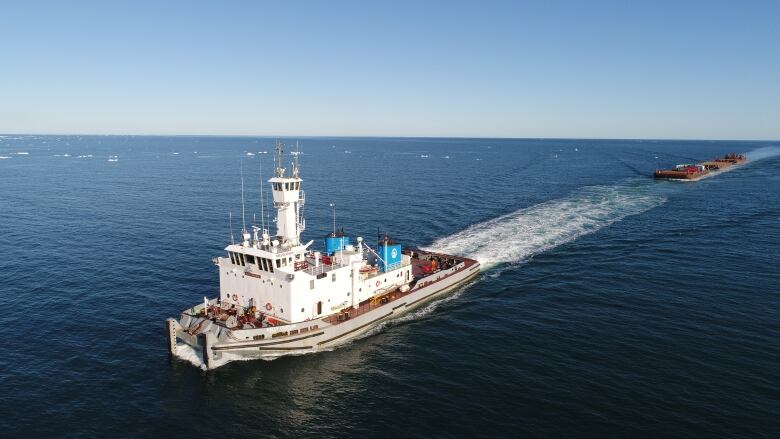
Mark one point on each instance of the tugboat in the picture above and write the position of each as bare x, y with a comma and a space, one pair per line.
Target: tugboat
689, 172
278, 296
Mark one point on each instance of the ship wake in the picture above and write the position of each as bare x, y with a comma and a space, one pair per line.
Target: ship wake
519, 235
763, 153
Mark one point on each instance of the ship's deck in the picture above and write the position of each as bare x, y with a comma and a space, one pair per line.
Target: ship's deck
449, 266
710, 166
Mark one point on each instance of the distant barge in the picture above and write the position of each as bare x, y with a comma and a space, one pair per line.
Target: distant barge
688, 172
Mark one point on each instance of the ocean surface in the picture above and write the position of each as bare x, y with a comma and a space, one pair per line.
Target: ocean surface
611, 305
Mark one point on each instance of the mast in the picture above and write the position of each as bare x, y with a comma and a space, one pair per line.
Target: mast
279, 171
243, 213
262, 198
288, 198
333, 205
230, 222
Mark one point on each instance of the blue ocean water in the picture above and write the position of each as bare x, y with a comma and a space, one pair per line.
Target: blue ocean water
612, 305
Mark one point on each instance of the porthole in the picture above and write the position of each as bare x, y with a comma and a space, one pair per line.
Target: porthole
301, 309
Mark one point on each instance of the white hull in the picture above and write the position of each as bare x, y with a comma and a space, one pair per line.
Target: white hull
217, 345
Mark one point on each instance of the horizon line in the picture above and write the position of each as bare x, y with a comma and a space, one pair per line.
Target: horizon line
390, 137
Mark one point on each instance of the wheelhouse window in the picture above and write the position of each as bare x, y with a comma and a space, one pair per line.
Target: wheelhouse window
232, 258
250, 259
278, 263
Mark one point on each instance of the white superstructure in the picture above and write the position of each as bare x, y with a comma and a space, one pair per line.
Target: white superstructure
282, 280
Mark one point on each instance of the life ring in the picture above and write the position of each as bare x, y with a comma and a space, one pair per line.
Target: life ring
378, 284
268, 306
235, 297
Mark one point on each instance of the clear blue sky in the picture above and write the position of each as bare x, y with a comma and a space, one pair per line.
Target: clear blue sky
618, 69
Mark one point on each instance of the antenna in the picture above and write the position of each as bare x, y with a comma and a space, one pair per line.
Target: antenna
230, 221
279, 158
243, 217
333, 205
296, 162
262, 198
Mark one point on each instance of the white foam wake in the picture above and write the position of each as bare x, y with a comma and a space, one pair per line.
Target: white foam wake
763, 153
519, 235
190, 354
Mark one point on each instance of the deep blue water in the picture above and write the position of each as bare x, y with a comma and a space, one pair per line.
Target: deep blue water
612, 305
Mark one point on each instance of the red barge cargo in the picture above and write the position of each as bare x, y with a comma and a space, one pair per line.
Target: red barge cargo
688, 172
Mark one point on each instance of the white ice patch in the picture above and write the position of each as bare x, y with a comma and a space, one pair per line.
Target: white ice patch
519, 235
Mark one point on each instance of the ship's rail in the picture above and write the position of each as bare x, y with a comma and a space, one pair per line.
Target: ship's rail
322, 268
391, 267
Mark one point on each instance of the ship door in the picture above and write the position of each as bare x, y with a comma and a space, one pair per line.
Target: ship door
319, 307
